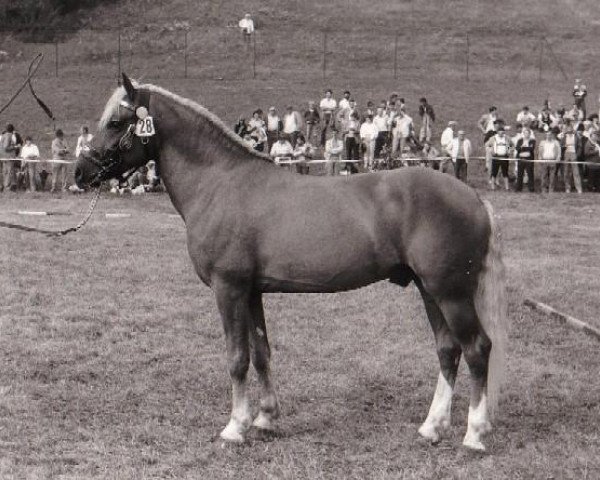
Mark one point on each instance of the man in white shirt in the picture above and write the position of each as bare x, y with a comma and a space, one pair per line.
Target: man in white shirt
246, 25
292, 124
345, 102
381, 121
274, 126
281, 150
327, 106
525, 117
368, 135
83, 141
401, 133
447, 137
30, 151
460, 152
549, 150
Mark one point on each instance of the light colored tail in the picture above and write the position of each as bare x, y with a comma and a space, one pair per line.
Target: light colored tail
491, 306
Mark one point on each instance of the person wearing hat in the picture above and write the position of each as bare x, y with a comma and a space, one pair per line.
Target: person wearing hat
460, 151
549, 152
499, 148
274, 126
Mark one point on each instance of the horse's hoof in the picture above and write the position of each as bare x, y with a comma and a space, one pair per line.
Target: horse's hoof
263, 422
231, 433
429, 432
473, 444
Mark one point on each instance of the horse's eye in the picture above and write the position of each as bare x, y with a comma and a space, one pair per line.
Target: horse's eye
114, 124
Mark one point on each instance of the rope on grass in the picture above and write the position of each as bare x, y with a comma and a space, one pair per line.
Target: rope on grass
563, 318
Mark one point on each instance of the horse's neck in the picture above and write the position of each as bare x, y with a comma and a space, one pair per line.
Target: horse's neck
197, 157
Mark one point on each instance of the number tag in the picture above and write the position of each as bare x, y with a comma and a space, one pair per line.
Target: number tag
145, 127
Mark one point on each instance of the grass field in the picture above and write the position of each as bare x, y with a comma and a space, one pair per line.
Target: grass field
114, 366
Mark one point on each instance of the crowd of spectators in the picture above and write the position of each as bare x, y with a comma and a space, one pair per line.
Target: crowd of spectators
384, 135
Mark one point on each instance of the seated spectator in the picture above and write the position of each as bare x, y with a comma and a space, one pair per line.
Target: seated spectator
430, 156
29, 151
281, 149
302, 152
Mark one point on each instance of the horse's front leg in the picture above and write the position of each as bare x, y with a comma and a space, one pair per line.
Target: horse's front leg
261, 359
233, 303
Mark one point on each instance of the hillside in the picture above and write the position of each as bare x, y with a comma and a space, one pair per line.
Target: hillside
517, 55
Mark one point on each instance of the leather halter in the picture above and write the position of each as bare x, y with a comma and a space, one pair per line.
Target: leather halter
125, 143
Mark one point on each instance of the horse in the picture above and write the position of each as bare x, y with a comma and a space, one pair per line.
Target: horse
407, 225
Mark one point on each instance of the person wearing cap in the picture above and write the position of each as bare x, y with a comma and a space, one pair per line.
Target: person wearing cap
274, 126
60, 151
447, 137
427, 118
460, 151
525, 153
568, 142
549, 152
499, 148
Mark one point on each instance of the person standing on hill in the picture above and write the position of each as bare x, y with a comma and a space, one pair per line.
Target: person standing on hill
246, 25
549, 151
274, 127
59, 152
525, 152
312, 119
427, 118
83, 142
499, 147
327, 106
592, 155
345, 101
460, 152
381, 122
368, 134
292, 124
579, 94
9, 148
568, 143
30, 152
487, 125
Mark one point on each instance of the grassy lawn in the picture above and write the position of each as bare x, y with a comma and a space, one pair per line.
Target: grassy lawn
114, 367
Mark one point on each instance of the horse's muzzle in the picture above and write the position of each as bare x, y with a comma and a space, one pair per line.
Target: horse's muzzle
86, 172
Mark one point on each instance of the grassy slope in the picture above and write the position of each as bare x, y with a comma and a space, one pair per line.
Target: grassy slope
108, 374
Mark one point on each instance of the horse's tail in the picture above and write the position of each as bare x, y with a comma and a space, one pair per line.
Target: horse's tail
491, 307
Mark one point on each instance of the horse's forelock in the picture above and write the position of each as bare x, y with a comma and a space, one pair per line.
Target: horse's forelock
111, 107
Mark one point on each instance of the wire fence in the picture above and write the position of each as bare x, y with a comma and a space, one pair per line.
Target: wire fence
224, 53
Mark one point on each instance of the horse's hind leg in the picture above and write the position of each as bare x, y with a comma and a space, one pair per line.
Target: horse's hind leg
261, 359
476, 346
233, 303
448, 351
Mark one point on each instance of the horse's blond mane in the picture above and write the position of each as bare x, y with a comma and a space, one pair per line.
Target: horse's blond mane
119, 94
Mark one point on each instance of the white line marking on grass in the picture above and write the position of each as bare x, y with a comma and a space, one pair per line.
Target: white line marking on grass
563, 318
117, 215
31, 212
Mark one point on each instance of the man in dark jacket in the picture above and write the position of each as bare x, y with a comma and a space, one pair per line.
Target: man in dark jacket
525, 150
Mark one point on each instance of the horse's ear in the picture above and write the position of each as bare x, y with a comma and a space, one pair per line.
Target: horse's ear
129, 88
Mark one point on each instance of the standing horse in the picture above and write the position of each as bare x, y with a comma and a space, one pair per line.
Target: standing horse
407, 225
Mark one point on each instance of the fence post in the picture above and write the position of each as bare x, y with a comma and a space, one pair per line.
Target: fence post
396, 57
185, 54
541, 59
467, 56
324, 53
254, 54
56, 57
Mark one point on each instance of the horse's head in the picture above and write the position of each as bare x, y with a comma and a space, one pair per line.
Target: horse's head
125, 139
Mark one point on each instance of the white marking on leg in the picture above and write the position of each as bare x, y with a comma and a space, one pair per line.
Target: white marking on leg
479, 424
438, 417
241, 416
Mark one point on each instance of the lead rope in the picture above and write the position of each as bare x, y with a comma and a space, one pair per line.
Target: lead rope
57, 233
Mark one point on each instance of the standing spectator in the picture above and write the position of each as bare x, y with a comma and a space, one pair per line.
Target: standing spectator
460, 153
368, 134
592, 155
352, 140
345, 101
327, 106
447, 137
59, 152
427, 118
525, 117
545, 118
580, 142
312, 119
9, 148
525, 152
549, 152
274, 127
487, 125
292, 124
334, 148
381, 122
568, 142
579, 94
246, 25
83, 142
575, 115
499, 147
402, 132
30, 152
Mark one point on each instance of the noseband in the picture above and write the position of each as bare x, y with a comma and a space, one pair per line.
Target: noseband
125, 143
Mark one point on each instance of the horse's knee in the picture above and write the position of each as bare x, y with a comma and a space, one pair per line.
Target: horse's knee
477, 354
238, 366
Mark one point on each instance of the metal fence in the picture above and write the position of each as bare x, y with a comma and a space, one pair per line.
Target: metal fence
223, 53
